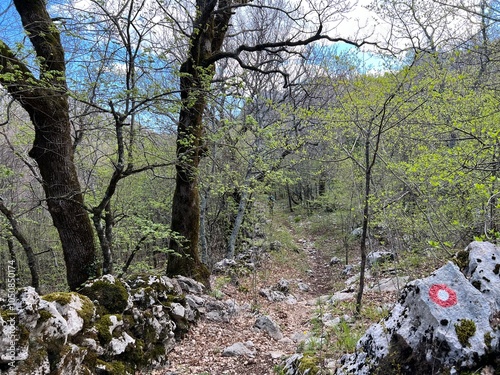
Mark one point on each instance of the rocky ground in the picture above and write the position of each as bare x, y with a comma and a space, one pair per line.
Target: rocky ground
202, 349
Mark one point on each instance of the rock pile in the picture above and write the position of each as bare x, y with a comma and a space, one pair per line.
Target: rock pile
111, 327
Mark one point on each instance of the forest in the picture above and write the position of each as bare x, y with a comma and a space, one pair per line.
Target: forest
158, 135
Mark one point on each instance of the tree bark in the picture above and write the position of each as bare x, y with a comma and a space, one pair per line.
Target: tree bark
17, 233
209, 28
46, 101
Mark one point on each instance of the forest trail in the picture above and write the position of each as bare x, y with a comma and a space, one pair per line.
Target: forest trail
200, 352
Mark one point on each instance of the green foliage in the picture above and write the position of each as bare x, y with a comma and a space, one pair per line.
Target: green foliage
346, 339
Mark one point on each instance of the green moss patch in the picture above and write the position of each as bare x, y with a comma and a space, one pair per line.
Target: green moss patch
309, 362
44, 316
114, 368
61, 298
102, 325
465, 329
112, 297
86, 312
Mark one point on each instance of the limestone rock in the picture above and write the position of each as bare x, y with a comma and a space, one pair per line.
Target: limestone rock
266, 324
190, 286
334, 261
483, 271
389, 284
303, 287
282, 286
375, 258
124, 325
220, 311
440, 323
239, 349
348, 269
224, 265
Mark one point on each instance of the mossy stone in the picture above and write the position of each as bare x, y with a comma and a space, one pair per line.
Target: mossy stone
488, 339
465, 329
44, 316
86, 312
112, 297
309, 362
114, 368
102, 325
62, 298
37, 356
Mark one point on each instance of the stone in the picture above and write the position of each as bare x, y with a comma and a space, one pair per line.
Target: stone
177, 310
224, 265
239, 349
220, 311
276, 354
440, 324
65, 331
347, 270
340, 296
483, 271
292, 363
266, 324
298, 337
334, 261
282, 286
303, 287
272, 295
376, 258
120, 344
329, 320
389, 284
190, 286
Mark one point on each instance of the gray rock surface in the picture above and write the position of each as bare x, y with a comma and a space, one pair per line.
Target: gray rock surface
266, 324
239, 349
483, 271
375, 258
441, 323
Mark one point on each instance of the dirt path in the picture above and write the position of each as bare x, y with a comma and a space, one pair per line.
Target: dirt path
200, 352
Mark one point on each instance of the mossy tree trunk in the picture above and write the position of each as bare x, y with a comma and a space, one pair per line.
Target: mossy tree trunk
46, 100
196, 73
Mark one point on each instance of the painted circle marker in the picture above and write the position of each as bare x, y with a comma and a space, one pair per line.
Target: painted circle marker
443, 295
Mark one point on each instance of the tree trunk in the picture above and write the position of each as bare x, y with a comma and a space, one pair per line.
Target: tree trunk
237, 225
364, 233
203, 231
46, 102
196, 73
52, 150
30, 255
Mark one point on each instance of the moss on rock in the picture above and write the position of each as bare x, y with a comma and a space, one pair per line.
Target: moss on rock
113, 368
465, 329
86, 311
103, 325
62, 298
309, 362
111, 296
44, 316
